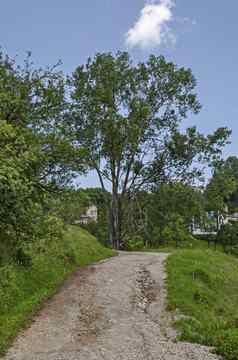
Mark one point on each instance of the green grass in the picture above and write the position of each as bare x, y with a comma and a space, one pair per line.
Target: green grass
192, 244
203, 286
23, 290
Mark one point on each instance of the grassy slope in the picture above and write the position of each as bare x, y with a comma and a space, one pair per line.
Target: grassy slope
203, 285
23, 290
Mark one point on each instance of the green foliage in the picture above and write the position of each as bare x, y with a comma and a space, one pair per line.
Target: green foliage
231, 167
203, 285
172, 208
134, 243
71, 204
173, 232
122, 110
191, 244
36, 157
219, 189
228, 237
17, 192
221, 193
100, 198
168, 234
227, 344
34, 100
22, 289
209, 238
176, 232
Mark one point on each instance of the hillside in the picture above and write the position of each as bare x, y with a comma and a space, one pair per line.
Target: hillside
23, 289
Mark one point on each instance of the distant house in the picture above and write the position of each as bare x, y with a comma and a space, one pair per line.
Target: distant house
90, 215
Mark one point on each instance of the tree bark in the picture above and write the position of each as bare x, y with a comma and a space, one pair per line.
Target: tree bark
115, 221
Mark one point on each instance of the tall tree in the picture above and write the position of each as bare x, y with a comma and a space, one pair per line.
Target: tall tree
127, 117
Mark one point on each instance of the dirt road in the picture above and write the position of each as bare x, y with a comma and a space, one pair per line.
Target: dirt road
114, 310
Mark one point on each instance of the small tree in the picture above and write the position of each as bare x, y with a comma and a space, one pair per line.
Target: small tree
127, 118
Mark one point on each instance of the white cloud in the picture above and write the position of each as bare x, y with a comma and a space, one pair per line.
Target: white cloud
151, 29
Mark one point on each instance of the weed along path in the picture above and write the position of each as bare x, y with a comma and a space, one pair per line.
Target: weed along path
114, 310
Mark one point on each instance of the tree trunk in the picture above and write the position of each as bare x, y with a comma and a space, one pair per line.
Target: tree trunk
110, 226
115, 222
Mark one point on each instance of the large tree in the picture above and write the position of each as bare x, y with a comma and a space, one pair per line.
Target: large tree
128, 119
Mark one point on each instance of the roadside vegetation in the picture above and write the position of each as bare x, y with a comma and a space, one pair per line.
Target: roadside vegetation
191, 244
23, 288
202, 291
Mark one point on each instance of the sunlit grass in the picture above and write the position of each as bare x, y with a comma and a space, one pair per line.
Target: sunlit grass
203, 285
22, 290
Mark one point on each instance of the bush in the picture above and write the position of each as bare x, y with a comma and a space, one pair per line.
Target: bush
227, 344
177, 232
168, 234
134, 243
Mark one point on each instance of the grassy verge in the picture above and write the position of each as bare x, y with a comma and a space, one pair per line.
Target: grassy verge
203, 286
192, 244
22, 290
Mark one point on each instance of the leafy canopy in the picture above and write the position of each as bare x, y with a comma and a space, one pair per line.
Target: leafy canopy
128, 118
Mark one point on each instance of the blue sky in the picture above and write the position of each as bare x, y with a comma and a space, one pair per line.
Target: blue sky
202, 35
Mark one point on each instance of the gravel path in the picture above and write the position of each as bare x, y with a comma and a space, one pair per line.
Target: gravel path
114, 310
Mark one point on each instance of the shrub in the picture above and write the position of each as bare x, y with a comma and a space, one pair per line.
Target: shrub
176, 231
168, 234
227, 344
135, 242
